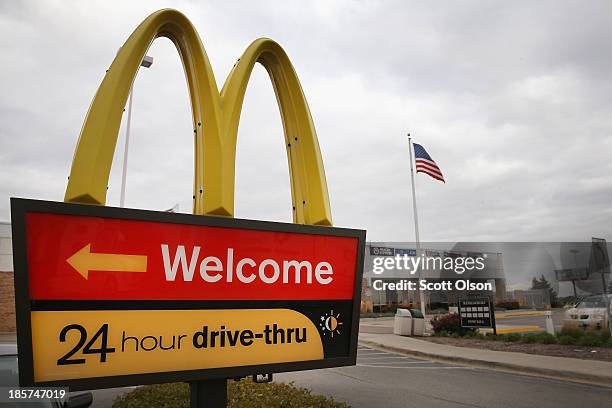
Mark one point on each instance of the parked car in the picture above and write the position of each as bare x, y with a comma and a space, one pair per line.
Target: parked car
589, 313
9, 377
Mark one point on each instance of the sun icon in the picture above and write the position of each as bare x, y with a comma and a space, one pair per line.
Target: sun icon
330, 324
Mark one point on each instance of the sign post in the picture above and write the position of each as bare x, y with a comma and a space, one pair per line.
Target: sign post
572, 274
208, 393
110, 297
477, 312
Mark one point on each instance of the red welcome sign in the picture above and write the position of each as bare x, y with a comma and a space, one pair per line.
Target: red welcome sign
79, 257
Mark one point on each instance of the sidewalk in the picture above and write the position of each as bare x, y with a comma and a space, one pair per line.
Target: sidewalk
577, 370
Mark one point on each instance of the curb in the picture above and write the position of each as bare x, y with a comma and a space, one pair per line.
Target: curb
583, 378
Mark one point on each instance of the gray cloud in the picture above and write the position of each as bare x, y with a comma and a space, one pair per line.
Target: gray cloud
512, 99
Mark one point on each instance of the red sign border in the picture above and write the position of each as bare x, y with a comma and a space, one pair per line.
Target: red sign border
23, 304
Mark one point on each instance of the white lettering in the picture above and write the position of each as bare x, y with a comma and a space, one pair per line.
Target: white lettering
262, 271
298, 267
319, 271
230, 264
378, 268
179, 256
415, 264
215, 269
206, 266
239, 274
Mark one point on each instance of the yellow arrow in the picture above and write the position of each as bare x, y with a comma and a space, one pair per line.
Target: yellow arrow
84, 261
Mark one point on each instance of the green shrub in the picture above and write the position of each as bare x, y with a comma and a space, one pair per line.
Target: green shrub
576, 337
590, 340
572, 332
513, 337
587, 338
546, 338
240, 394
543, 338
567, 340
449, 323
529, 338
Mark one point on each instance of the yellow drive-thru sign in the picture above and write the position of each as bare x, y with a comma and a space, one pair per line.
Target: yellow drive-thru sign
109, 297
153, 341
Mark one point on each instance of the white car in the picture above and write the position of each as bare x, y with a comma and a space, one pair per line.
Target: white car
590, 313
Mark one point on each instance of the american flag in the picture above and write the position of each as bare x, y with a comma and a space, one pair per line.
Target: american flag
425, 164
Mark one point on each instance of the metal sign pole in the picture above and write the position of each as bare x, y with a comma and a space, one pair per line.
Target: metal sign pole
125, 151
607, 300
208, 393
492, 311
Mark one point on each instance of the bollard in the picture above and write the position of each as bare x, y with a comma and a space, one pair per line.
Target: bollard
550, 327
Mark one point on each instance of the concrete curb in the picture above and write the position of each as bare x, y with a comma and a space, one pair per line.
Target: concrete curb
583, 378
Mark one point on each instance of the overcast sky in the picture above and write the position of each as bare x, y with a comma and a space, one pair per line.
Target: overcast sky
512, 99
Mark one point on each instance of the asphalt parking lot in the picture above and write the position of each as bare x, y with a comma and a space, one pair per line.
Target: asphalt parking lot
389, 380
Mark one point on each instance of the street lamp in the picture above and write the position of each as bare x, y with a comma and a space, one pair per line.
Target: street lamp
146, 62
575, 252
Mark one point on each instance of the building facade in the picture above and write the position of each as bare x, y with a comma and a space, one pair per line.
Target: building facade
7, 288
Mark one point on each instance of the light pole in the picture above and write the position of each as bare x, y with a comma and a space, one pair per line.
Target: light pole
575, 252
146, 62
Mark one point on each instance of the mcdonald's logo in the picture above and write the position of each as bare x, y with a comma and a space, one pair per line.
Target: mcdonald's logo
215, 122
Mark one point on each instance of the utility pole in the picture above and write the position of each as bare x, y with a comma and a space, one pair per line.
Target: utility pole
146, 62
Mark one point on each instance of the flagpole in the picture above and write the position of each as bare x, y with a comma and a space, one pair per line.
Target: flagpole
416, 223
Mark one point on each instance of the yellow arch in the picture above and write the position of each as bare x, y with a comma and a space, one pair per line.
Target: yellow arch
215, 116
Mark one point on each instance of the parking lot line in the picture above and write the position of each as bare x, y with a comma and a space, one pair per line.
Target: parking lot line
374, 358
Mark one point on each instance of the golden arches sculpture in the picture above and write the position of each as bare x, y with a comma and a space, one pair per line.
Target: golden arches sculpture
216, 116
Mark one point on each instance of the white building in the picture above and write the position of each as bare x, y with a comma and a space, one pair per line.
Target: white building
6, 247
